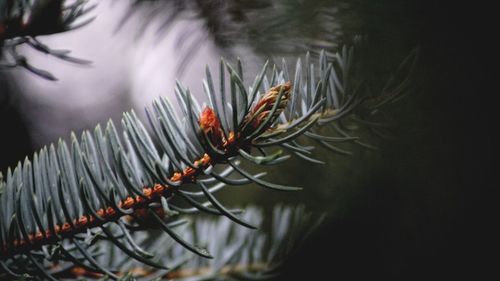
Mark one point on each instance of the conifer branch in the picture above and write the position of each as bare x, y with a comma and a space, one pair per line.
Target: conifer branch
103, 188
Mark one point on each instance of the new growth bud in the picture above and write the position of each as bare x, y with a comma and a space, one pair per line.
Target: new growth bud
260, 112
210, 125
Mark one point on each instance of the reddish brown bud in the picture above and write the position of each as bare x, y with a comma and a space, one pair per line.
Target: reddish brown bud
210, 125
209, 120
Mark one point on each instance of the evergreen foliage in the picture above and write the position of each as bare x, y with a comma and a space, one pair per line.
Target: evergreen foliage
68, 210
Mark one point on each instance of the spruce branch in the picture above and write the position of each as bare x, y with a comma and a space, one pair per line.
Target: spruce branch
105, 188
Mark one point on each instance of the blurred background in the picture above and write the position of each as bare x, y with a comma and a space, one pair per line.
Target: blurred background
404, 211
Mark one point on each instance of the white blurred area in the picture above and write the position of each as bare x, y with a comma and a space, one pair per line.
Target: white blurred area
127, 70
